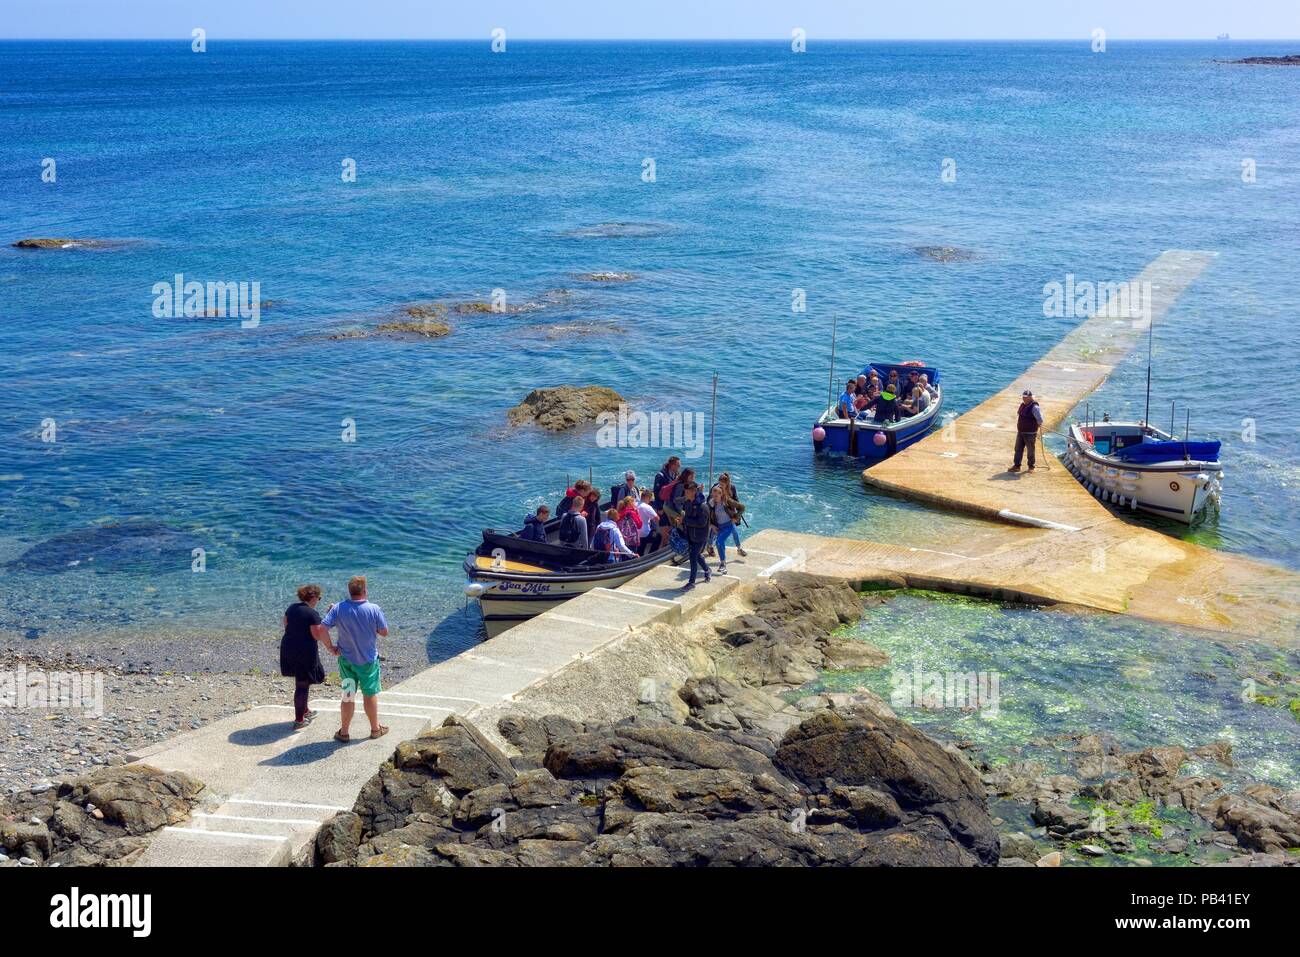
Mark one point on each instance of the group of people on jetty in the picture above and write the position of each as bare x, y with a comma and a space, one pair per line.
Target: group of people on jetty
639, 520
891, 399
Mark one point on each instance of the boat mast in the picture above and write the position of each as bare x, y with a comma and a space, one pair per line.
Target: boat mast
713, 427
830, 386
1146, 415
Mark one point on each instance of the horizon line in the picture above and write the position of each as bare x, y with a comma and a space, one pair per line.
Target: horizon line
185, 38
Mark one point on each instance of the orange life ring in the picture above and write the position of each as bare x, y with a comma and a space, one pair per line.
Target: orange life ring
912, 362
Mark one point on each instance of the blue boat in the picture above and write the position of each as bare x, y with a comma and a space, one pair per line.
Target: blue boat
863, 437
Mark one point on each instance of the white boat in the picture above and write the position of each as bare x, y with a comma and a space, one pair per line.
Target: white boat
1137, 466
515, 579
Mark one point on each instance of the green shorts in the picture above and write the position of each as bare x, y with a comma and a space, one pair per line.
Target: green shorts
363, 678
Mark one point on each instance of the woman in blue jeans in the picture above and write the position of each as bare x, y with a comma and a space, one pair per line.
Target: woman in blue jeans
720, 517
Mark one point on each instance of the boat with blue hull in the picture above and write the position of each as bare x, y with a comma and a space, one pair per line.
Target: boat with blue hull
865, 438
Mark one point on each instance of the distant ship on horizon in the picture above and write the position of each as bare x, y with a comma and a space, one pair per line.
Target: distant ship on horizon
1223, 36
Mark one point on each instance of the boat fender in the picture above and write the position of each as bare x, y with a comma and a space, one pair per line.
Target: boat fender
474, 589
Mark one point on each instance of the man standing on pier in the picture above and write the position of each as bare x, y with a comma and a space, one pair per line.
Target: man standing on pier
1029, 419
361, 624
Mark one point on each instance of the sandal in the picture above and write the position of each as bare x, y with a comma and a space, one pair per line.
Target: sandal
340, 736
379, 732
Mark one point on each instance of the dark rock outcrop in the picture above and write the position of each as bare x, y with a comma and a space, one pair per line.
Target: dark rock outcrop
1290, 59
650, 793
103, 818
563, 407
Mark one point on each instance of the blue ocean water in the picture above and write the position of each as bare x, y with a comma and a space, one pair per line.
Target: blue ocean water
475, 172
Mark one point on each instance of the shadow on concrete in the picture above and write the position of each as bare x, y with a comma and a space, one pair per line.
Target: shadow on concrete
459, 631
303, 754
262, 734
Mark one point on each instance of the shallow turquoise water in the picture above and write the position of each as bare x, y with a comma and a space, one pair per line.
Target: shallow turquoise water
1061, 674
475, 172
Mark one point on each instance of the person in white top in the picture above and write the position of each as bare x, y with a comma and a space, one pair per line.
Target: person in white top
649, 521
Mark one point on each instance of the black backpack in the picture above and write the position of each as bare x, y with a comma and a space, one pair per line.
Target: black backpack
569, 528
602, 541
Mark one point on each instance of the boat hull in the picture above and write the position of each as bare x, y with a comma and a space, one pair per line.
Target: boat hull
1181, 491
509, 596
505, 604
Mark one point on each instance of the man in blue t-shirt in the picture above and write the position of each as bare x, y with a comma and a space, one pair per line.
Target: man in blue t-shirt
360, 623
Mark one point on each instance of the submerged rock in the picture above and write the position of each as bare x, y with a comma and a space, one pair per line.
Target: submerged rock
109, 546
944, 254
46, 243
606, 277
427, 328
563, 407
619, 230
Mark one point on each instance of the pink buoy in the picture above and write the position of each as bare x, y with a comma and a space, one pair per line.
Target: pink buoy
819, 434
879, 438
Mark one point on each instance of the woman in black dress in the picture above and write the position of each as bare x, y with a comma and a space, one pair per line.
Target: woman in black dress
299, 652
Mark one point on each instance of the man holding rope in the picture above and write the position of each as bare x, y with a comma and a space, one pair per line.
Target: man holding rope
1029, 419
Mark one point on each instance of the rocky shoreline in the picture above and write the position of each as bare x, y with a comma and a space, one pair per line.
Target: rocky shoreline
699, 744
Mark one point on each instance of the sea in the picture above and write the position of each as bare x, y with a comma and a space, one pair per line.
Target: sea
165, 473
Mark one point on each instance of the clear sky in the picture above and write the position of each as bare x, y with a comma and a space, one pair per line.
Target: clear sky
650, 19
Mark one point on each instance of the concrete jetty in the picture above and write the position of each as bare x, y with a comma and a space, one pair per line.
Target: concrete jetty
269, 788
1057, 543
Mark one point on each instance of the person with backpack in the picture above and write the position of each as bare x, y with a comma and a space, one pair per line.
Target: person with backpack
629, 523
535, 525
609, 539
669, 499
665, 475
573, 525
695, 525
624, 489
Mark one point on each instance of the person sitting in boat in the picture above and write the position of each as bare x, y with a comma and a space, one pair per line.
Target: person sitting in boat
573, 524
893, 384
535, 525
930, 390
626, 488
630, 523
844, 409
874, 385
593, 508
608, 538
649, 521
916, 403
578, 488
885, 407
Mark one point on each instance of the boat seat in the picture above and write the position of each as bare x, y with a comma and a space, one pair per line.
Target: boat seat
487, 561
